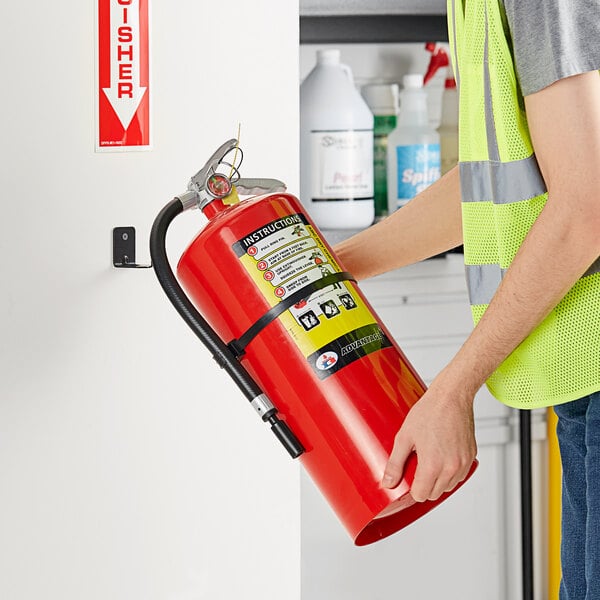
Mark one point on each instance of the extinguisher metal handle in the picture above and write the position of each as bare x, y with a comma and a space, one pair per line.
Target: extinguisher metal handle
198, 182
198, 193
255, 186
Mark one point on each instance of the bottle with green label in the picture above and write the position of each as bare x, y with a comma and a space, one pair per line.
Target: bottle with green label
382, 99
413, 156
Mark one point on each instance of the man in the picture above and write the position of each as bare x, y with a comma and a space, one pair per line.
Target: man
529, 181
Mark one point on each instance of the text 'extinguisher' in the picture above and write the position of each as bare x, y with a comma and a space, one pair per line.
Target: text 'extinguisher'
299, 339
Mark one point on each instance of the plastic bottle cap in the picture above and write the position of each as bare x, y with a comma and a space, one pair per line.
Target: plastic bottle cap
381, 97
329, 56
413, 81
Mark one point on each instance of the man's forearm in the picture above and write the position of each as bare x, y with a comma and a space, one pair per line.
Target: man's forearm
564, 121
560, 247
428, 225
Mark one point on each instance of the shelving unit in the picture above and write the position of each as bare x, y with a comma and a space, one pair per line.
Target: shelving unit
426, 308
372, 21
363, 29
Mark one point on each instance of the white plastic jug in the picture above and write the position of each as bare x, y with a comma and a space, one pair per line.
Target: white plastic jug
336, 147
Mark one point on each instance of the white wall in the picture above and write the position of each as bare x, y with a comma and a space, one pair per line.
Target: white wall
130, 467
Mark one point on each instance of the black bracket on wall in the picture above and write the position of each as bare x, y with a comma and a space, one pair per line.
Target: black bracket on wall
124, 249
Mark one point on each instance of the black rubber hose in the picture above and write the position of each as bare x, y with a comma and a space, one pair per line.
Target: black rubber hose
219, 350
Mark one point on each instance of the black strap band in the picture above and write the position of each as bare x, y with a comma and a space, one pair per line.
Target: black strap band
239, 346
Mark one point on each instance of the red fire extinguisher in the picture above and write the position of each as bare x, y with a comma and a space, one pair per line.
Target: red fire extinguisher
269, 299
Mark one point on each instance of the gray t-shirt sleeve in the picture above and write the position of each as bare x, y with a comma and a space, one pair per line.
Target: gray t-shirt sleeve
553, 39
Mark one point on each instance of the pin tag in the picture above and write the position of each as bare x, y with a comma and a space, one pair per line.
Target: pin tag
232, 198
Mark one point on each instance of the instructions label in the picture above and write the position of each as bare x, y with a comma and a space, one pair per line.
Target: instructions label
286, 255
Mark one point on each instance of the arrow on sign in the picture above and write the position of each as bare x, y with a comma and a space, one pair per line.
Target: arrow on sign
125, 92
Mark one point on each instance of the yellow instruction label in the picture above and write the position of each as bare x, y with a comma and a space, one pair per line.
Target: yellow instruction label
286, 255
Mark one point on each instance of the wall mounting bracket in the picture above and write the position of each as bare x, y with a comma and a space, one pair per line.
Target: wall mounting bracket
124, 249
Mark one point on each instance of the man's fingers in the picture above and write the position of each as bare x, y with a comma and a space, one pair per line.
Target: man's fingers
443, 442
424, 482
434, 478
460, 476
395, 465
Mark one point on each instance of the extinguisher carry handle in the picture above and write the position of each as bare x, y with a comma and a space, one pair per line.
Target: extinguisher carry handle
198, 181
255, 186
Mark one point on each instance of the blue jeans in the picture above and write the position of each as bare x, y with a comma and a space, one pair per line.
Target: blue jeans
578, 434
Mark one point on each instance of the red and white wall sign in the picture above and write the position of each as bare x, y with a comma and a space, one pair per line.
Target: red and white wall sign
123, 92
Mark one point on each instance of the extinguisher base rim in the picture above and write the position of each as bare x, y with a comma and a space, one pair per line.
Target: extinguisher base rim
404, 511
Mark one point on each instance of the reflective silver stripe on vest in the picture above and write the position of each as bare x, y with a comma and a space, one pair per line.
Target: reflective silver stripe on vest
497, 182
501, 183
490, 125
483, 280
454, 50
493, 180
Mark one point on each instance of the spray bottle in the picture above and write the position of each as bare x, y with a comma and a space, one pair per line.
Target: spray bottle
413, 161
382, 99
448, 128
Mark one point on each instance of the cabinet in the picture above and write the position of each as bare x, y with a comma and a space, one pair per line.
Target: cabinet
469, 547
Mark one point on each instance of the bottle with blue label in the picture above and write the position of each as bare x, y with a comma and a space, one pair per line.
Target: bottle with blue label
413, 160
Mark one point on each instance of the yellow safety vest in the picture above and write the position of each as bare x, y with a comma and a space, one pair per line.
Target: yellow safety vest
503, 192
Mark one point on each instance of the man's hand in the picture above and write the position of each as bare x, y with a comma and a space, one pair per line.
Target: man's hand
440, 430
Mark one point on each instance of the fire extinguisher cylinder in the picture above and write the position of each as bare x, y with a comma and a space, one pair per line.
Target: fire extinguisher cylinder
280, 314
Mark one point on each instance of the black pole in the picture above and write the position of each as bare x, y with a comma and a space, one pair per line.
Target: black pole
526, 503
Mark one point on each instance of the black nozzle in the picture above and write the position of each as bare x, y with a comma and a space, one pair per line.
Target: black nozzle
284, 434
